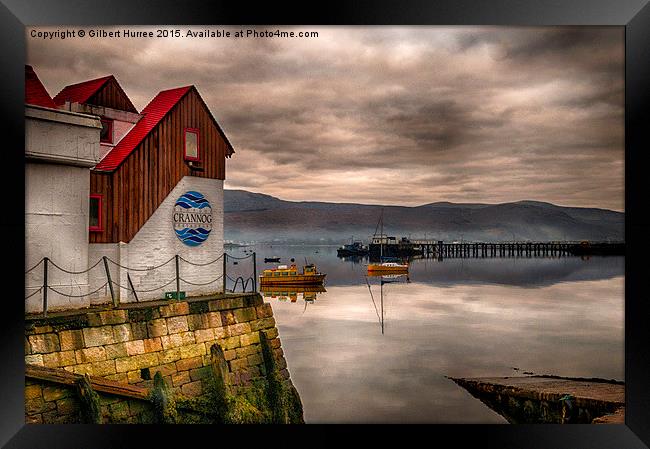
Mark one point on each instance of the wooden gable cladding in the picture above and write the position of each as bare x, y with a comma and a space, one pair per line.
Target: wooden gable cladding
133, 191
111, 95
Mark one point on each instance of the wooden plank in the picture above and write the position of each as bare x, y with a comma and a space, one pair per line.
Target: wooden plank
63, 377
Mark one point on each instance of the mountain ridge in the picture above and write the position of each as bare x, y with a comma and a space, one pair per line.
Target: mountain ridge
258, 216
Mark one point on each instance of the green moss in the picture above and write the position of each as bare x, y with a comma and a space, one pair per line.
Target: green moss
90, 403
163, 401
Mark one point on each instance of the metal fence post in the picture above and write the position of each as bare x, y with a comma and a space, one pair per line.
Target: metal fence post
178, 280
110, 282
254, 272
45, 261
224, 272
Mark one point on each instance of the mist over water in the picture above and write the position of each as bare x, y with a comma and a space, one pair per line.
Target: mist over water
456, 317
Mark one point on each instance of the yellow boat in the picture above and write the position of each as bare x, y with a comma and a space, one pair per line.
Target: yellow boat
388, 267
284, 275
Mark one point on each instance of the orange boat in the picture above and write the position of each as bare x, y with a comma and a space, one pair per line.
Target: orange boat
284, 275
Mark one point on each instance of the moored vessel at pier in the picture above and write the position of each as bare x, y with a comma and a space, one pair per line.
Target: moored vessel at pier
288, 275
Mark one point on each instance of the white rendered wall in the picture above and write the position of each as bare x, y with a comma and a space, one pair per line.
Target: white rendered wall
60, 147
156, 243
56, 226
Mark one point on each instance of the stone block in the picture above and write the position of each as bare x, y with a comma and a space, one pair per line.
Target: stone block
45, 329
198, 307
165, 370
271, 333
275, 343
192, 389
264, 311
122, 332
245, 315
281, 364
152, 344
170, 355
44, 343
200, 373
284, 373
103, 368
255, 371
249, 339
139, 315
180, 378
212, 319
195, 322
234, 303
120, 377
227, 318
33, 391
254, 359
216, 305
177, 324
28, 348
188, 364
134, 376
195, 350
115, 351
203, 335
231, 343
264, 323
239, 329
112, 317
220, 332
245, 351
238, 364
139, 331
136, 362
67, 406
174, 309
87, 355
85, 368
135, 347
34, 419
34, 359
278, 353
71, 340
230, 354
98, 336
38, 405
157, 328
57, 359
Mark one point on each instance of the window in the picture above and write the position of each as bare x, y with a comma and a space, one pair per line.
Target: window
106, 134
192, 144
95, 213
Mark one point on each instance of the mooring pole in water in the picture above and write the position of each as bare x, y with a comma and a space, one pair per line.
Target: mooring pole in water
178, 280
110, 282
45, 261
254, 272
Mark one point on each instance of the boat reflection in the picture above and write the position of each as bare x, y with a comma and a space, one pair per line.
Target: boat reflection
384, 279
291, 293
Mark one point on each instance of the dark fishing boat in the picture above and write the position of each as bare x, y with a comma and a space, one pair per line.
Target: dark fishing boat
352, 249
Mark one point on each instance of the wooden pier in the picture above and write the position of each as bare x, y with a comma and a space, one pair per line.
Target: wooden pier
439, 249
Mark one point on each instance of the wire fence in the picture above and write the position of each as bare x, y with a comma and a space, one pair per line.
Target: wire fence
48, 265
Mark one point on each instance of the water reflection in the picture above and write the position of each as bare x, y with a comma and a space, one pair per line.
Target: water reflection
365, 355
383, 279
307, 293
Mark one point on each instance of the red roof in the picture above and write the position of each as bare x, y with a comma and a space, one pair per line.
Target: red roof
153, 113
35, 92
80, 92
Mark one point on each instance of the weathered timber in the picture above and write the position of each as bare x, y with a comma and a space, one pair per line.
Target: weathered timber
61, 376
549, 399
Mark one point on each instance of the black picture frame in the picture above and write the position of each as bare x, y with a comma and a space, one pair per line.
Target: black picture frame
634, 15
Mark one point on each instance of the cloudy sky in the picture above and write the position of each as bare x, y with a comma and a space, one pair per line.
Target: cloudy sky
390, 115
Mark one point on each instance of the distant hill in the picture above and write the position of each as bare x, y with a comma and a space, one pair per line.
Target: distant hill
254, 216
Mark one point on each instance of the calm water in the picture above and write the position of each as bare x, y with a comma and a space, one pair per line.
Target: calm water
458, 317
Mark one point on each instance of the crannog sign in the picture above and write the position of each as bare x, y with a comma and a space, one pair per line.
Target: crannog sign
192, 218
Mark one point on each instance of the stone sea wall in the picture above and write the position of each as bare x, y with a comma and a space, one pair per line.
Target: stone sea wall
130, 344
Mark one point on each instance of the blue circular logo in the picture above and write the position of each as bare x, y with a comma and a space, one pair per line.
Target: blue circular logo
192, 218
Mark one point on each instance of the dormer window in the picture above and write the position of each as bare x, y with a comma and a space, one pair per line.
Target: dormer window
192, 144
106, 134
